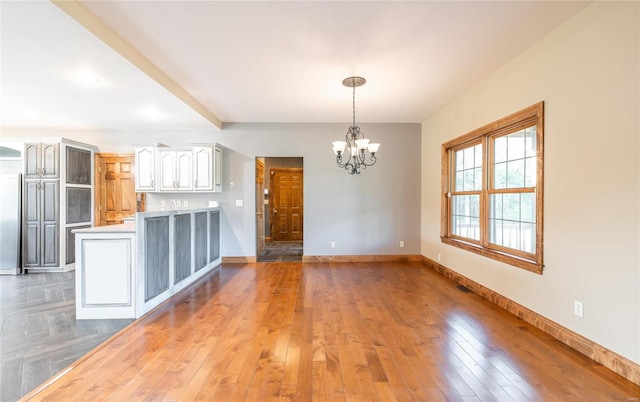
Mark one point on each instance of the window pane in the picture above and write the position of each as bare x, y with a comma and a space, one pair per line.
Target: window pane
528, 237
468, 180
500, 149
528, 207
459, 181
530, 172
468, 158
465, 213
496, 206
511, 207
459, 160
512, 221
500, 175
515, 145
478, 156
515, 173
477, 179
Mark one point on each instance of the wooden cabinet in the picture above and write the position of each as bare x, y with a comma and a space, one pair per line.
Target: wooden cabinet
175, 170
146, 168
163, 169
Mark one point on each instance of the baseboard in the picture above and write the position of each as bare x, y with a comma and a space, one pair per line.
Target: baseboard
611, 360
362, 258
238, 260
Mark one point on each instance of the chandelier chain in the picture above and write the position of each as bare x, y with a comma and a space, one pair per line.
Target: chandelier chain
353, 84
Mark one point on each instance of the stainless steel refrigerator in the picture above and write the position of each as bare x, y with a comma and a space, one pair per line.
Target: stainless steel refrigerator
10, 223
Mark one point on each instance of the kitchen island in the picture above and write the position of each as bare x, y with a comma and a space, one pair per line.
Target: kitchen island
124, 271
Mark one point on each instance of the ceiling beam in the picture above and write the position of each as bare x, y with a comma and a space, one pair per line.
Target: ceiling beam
76, 11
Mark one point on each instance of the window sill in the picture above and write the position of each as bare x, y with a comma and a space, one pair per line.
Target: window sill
525, 264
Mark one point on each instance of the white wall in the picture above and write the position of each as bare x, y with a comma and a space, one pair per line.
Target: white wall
587, 72
364, 214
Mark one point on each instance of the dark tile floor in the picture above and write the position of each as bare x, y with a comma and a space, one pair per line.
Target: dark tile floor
39, 333
279, 251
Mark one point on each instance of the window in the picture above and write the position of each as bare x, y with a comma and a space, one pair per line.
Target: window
492, 190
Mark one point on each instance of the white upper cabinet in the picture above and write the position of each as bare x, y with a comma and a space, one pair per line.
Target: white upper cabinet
165, 169
146, 168
176, 168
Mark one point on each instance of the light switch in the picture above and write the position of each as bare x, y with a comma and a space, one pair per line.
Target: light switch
185, 203
238, 203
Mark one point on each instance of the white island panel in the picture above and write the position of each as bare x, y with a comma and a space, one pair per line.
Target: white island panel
109, 280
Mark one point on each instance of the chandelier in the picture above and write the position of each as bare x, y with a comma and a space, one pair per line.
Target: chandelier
354, 142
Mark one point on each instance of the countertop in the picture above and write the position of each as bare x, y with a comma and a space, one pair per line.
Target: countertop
129, 227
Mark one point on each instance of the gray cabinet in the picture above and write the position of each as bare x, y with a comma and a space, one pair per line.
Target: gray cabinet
41, 223
57, 198
42, 160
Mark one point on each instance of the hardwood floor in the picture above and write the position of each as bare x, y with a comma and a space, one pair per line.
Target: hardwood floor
39, 335
335, 331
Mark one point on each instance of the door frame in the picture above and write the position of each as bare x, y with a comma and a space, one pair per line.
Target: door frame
272, 190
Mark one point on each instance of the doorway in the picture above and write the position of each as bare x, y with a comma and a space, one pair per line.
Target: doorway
279, 209
115, 194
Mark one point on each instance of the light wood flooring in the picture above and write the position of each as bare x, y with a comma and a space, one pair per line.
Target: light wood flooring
39, 335
337, 331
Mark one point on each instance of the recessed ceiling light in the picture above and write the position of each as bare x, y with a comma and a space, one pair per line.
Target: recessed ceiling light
151, 112
87, 78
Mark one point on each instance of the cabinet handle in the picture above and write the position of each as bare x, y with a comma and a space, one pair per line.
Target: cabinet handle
196, 183
153, 183
178, 184
44, 171
174, 184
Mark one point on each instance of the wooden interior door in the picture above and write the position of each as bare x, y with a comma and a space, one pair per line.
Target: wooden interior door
287, 204
260, 205
116, 196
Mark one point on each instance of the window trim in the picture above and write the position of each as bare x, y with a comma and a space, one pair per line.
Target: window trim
532, 115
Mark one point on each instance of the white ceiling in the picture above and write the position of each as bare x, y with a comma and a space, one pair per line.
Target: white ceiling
267, 61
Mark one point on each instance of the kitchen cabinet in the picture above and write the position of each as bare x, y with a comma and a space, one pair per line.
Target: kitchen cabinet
176, 170
146, 167
41, 223
56, 198
207, 168
164, 169
42, 160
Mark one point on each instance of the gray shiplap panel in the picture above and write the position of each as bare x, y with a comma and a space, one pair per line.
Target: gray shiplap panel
182, 246
156, 252
214, 235
78, 166
200, 240
78, 205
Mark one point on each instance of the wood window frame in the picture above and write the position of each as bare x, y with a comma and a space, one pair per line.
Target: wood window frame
532, 115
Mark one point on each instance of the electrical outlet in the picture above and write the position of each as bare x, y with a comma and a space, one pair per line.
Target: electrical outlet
239, 203
439, 257
401, 243
178, 203
578, 308
333, 244
185, 203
